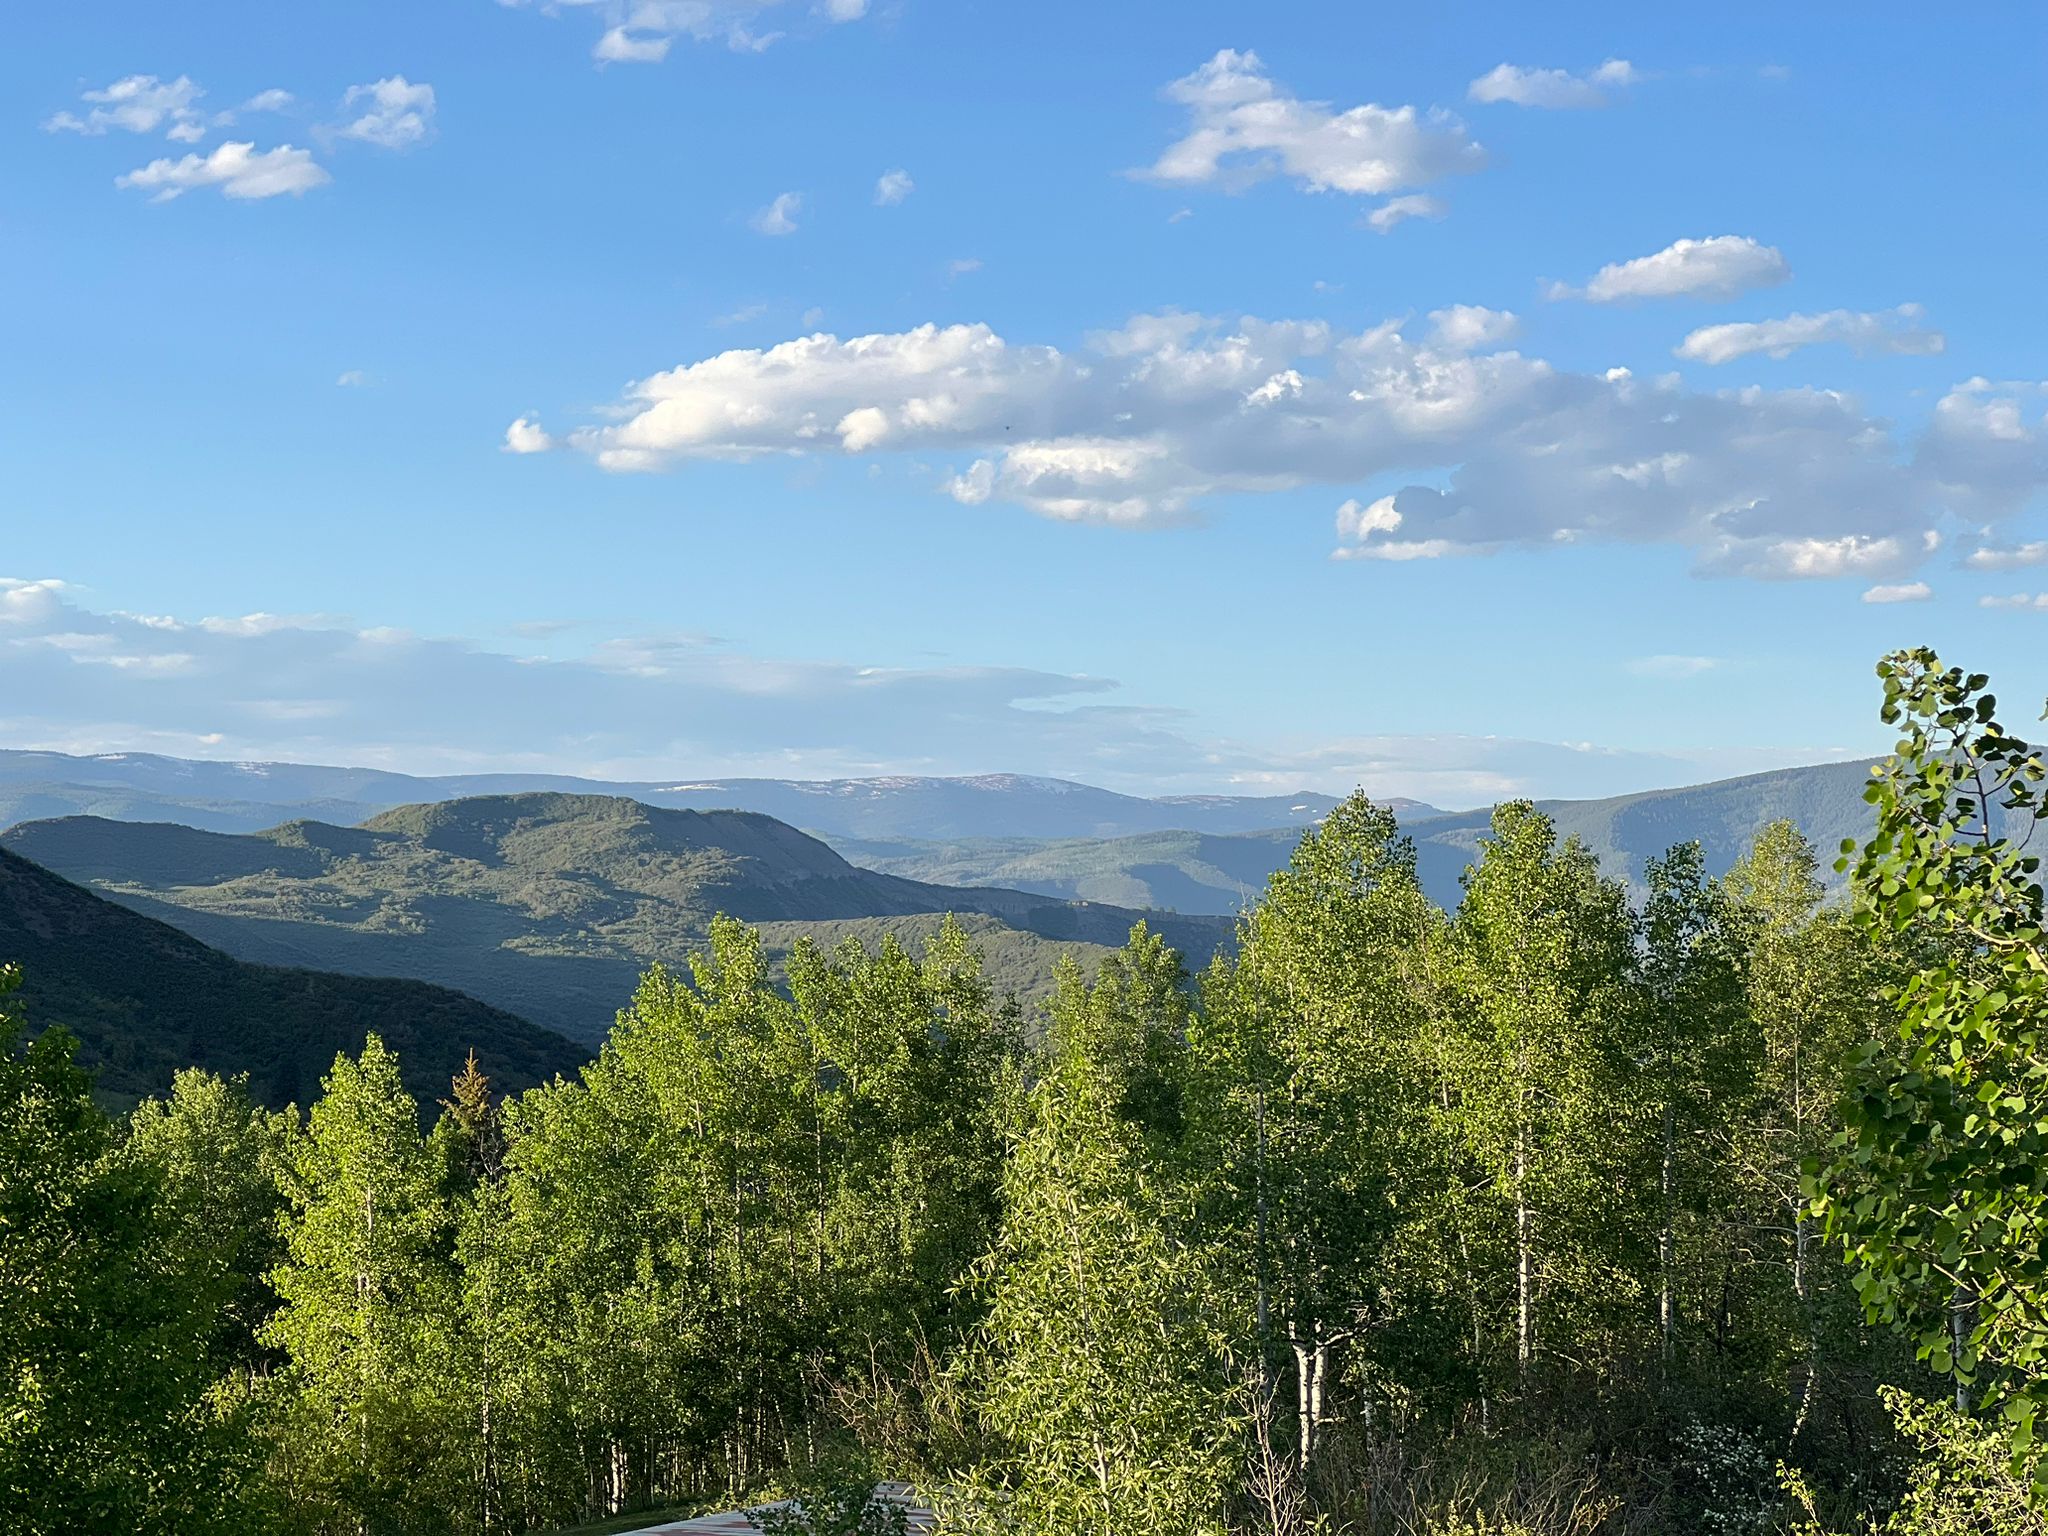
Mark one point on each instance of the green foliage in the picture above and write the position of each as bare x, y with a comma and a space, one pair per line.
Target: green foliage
1099, 1374
1537, 1015
1308, 1112
105, 1419
367, 1303
1487, 1225
1938, 1186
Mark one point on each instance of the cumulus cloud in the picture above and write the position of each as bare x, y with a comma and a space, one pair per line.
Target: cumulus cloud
1554, 88
1471, 327
892, 187
779, 217
657, 707
1894, 330
239, 170
2007, 557
138, 104
526, 435
1243, 128
1398, 210
391, 113
1173, 413
1719, 267
1899, 592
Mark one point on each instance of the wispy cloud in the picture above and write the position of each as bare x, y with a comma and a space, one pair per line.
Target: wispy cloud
1896, 331
1553, 88
779, 217
392, 113
138, 104
1673, 668
892, 187
1899, 592
266, 686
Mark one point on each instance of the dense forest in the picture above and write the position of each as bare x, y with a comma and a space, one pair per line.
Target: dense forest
1555, 1215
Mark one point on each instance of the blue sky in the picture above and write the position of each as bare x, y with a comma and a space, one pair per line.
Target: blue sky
1242, 400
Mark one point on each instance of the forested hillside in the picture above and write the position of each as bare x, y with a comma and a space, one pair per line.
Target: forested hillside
146, 1000
549, 906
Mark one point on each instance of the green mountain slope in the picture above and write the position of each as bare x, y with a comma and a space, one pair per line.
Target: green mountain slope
1177, 871
1218, 873
146, 999
547, 905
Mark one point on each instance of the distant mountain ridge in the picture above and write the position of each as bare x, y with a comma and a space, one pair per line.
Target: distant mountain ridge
547, 905
252, 797
1220, 873
145, 999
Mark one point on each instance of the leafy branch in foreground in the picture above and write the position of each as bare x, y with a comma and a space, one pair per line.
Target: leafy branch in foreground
1938, 1184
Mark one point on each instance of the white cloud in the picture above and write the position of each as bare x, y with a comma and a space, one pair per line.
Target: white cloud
892, 187
353, 378
618, 46
1899, 592
2036, 601
962, 266
1719, 267
779, 217
1398, 210
396, 113
264, 687
138, 104
1554, 88
1243, 129
2007, 557
239, 170
1471, 327
1173, 413
643, 31
527, 436
1673, 668
1894, 330
273, 100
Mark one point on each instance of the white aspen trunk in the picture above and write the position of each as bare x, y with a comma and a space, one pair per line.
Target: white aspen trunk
1523, 1276
1802, 1236
1665, 1241
1265, 1300
1959, 1323
1304, 1387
